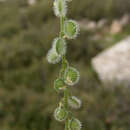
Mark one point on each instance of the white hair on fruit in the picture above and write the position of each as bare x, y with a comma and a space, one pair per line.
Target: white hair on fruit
60, 46
53, 57
60, 114
71, 76
74, 102
74, 124
73, 28
60, 8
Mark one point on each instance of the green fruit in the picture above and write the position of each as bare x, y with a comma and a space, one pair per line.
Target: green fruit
74, 124
74, 102
71, 29
59, 84
59, 45
60, 114
71, 76
53, 57
60, 8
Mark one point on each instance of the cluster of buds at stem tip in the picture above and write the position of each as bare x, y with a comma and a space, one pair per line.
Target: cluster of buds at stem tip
69, 76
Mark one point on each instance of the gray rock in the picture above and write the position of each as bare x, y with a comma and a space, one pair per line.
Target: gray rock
31, 2
113, 65
125, 20
86, 24
101, 23
2, 0
116, 27
118, 24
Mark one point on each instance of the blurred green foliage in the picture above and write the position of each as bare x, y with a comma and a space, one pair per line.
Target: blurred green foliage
27, 98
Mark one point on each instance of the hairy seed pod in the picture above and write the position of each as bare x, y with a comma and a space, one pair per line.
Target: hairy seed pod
59, 84
74, 124
60, 8
60, 114
74, 102
53, 57
59, 45
71, 29
71, 76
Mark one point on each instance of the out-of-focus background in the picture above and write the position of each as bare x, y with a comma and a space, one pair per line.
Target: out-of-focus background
27, 97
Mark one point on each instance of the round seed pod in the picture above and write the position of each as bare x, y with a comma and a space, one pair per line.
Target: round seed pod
59, 45
74, 102
74, 124
60, 114
71, 29
53, 57
59, 84
71, 76
60, 8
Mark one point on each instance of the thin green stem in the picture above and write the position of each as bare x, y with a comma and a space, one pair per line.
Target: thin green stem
66, 124
64, 63
66, 98
63, 67
62, 26
63, 75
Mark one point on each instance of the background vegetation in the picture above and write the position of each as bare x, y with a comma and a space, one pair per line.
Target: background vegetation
27, 98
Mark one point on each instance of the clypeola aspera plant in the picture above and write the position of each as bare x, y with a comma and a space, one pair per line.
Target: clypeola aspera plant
68, 75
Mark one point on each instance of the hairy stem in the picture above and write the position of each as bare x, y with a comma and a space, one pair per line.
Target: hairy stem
68, 75
64, 65
66, 98
62, 26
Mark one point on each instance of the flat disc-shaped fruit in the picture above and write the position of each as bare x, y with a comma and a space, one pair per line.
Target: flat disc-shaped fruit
60, 114
74, 124
71, 29
53, 57
71, 76
59, 84
59, 45
74, 102
60, 8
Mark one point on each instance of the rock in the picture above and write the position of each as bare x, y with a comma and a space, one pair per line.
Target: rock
91, 25
2, 0
31, 2
125, 20
113, 64
116, 27
83, 23
101, 23
86, 24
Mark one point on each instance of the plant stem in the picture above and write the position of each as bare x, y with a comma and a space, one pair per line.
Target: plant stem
66, 95
66, 98
64, 65
62, 35
66, 124
61, 26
